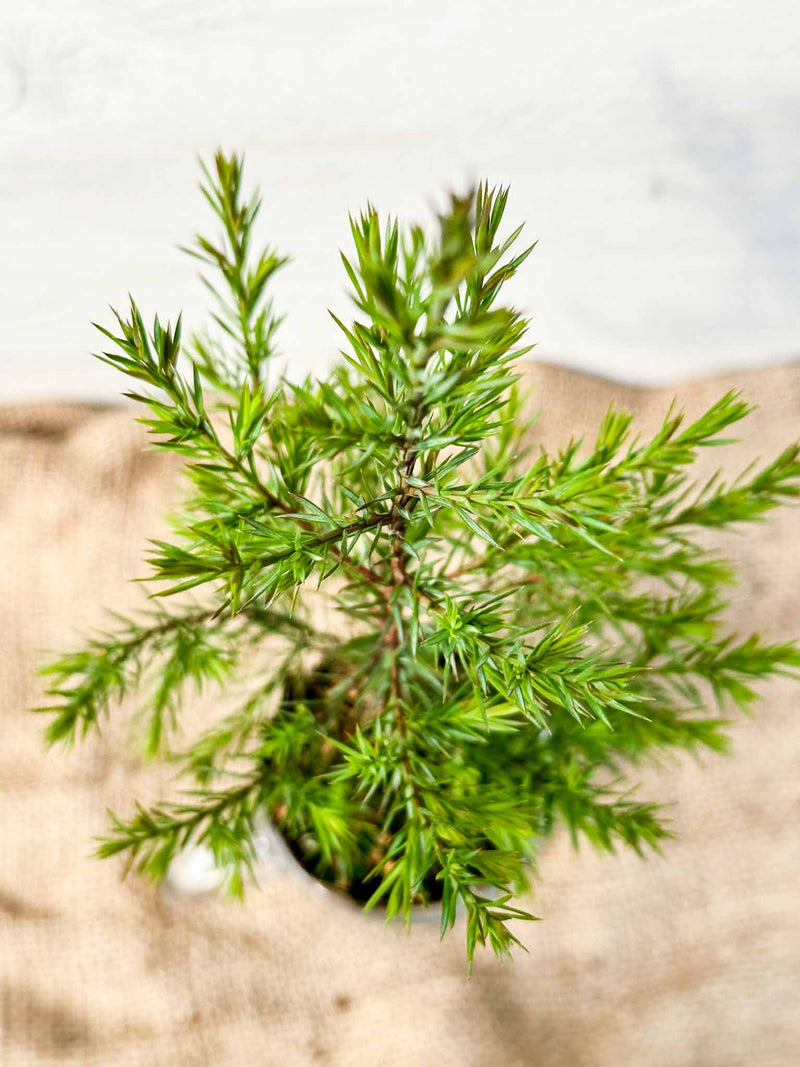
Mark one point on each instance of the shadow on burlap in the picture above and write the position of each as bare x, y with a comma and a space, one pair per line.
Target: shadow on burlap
693, 959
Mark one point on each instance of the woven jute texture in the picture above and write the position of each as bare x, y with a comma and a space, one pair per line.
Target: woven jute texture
691, 959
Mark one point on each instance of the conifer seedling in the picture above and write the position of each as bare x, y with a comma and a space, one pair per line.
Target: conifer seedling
517, 630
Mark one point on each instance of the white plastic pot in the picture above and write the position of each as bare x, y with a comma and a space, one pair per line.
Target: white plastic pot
193, 874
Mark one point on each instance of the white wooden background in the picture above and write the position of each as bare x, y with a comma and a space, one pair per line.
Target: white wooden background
652, 145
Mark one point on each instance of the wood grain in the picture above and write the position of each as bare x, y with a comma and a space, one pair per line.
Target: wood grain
650, 146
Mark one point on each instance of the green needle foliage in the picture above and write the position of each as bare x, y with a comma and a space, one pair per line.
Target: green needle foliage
517, 629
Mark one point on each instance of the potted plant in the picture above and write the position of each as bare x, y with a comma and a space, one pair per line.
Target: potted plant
513, 630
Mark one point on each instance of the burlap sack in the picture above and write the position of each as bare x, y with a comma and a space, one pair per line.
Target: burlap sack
693, 959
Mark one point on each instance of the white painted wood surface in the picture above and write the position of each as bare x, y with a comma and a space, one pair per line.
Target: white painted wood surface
652, 146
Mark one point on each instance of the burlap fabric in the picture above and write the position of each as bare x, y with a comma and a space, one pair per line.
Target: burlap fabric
693, 959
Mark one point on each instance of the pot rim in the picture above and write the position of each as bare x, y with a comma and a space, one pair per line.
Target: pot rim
193, 873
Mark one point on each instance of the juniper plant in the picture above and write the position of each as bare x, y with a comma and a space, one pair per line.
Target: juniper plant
518, 628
